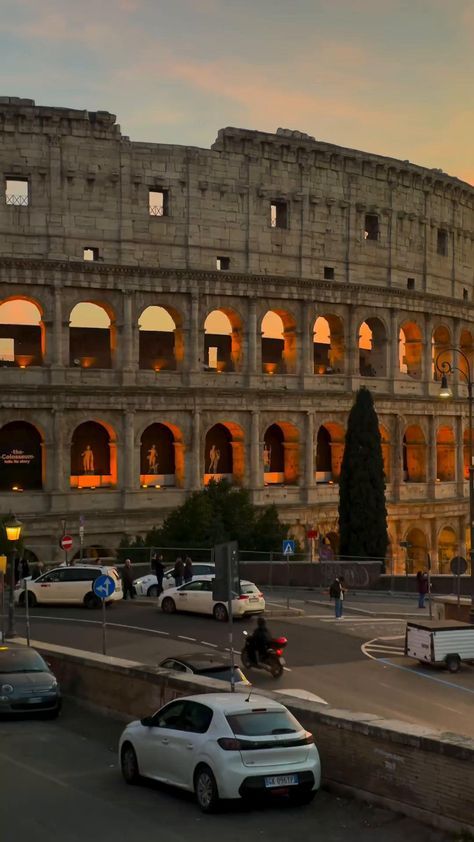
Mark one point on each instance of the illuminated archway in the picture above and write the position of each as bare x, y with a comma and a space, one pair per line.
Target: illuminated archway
467, 347
448, 548
445, 455
466, 451
222, 341
224, 453
440, 341
22, 333
21, 457
93, 455
414, 455
417, 550
160, 339
386, 452
91, 336
329, 452
161, 456
278, 343
281, 454
411, 350
372, 348
328, 345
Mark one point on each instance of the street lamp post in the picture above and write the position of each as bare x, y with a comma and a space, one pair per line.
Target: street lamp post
12, 528
445, 367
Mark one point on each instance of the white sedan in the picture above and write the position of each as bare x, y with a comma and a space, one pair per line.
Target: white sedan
196, 597
223, 745
148, 585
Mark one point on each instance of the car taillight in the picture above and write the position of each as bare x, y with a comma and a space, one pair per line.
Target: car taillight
308, 739
244, 596
260, 595
229, 744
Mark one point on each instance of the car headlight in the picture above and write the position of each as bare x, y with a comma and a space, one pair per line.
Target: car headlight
54, 685
138, 582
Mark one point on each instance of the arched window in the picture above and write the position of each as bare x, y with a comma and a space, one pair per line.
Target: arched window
21, 463
278, 343
466, 451
448, 548
93, 456
416, 554
161, 457
441, 341
411, 350
414, 455
224, 453
445, 455
372, 349
222, 341
91, 336
467, 347
328, 345
281, 454
329, 452
160, 339
22, 335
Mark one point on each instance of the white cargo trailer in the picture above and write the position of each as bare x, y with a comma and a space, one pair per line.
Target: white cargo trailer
444, 642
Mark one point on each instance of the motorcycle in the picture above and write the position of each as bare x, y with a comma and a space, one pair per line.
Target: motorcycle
273, 661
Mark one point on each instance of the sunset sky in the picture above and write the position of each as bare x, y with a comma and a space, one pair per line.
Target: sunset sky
393, 77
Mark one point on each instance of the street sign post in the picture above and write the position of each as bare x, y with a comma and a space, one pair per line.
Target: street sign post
288, 549
103, 587
66, 544
224, 586
458, 568
81, 537
3, 570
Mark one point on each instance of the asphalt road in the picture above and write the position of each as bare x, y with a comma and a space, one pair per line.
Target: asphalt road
60, 781
354, 664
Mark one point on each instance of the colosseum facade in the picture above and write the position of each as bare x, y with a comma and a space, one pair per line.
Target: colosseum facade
171, 313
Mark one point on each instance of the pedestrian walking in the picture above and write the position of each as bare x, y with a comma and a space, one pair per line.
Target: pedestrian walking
178, 572
158, 567
188, 569
422, 587
127, 580
336, 592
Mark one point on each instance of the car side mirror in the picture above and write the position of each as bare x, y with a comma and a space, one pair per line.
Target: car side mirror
147, 721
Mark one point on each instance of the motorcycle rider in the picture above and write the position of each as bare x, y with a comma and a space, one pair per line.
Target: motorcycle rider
259, 641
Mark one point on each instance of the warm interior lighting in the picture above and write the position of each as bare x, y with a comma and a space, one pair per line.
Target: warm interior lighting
12, 528
270, 368
445, 392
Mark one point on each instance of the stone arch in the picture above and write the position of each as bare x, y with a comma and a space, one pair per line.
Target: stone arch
281, 454
372, 343
160, 338
414, 454
440, 343
445, 455
93, 455
329, 452
466, 451
417, 550
386, 446
22, 332
161, 456
278, 332
224, 453
328, 344
410, 343
92, 335
21, 457
448, 547
467, 347
222, 340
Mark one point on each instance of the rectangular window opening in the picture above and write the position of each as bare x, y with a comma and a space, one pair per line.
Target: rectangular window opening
410, 283
17, 192
222, 263
371, 229
212, 357
90, 253
328, 273
7, 350
442, 242
158, 202
279, 214
465, 294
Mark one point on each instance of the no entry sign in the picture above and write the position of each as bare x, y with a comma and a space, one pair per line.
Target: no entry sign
66, 543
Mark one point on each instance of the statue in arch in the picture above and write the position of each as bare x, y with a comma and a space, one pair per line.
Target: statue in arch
267, 456
88, 460
152, 458
214, 457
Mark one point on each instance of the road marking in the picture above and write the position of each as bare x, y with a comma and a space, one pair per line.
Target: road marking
205, 643
311, 617
183, 637
426, 675
366, 620
373, 648
28, 768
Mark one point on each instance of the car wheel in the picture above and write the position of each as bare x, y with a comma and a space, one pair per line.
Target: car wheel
220, 613
152, 591
453, 662
31, 599
91, 600
129, 764
299, 799
276, 668
205, 787
168, 605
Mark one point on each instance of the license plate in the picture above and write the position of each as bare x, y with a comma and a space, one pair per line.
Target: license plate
253, 599
281, 780
34, 700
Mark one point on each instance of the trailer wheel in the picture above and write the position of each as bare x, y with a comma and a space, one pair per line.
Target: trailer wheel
453, 662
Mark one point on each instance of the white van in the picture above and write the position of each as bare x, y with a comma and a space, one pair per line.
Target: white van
68, 585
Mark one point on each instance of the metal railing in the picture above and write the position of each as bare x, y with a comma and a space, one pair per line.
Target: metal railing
19, 201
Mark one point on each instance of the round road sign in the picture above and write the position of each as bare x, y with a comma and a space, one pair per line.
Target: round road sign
458, 565
66, 543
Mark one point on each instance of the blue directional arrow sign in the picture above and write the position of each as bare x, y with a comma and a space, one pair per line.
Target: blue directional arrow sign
288, 547
103, 586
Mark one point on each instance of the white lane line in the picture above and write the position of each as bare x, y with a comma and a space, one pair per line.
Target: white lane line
99, 623
387, 649
183, 637
366, 620
205, 643
312, 617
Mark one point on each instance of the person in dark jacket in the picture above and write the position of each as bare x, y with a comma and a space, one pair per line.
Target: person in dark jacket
178, 572
336, 592
259, 641
127, 580
158, 567
422, 587
188, 569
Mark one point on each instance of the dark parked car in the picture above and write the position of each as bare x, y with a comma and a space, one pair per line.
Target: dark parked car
27, 685
208, 664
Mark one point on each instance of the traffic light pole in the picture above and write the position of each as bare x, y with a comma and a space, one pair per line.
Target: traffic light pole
231, 619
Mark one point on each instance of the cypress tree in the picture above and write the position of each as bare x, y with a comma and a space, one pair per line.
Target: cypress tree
362, 510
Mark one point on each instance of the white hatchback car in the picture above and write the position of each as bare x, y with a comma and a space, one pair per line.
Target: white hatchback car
196, 597
221, 746
148, 585
68, 585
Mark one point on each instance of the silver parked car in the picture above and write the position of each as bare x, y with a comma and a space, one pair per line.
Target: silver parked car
27, 684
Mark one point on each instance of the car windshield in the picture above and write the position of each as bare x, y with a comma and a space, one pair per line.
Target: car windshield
248, 588
16, 660
221, 673
259, 723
